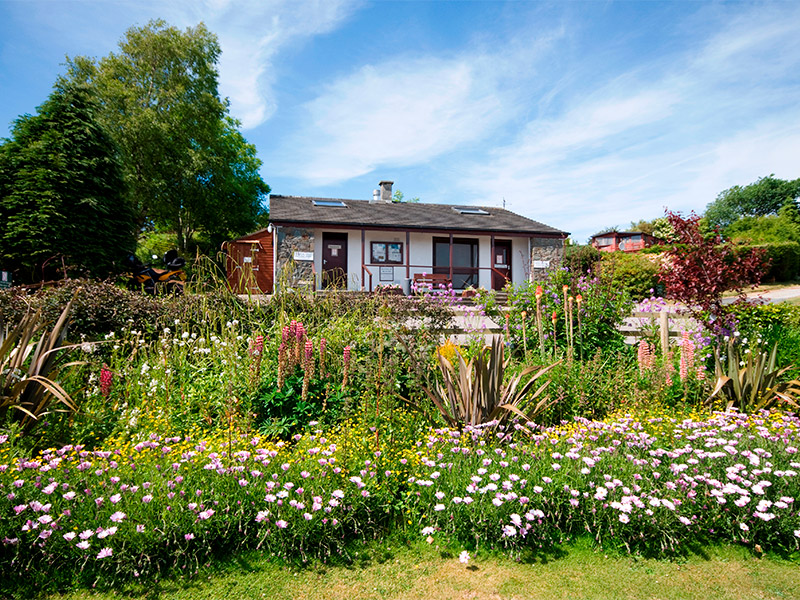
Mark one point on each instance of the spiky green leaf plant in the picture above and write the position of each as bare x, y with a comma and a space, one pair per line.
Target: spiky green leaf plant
27, 361
474, 392
754, 383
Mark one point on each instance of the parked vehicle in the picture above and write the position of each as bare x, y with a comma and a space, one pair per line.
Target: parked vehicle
157, 281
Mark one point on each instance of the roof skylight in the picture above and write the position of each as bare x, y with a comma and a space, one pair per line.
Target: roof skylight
330, 203
469, 210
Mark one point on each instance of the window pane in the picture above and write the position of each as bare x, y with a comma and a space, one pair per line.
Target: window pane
442, 254
463, 255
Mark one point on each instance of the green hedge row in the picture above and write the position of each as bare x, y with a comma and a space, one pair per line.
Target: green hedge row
784, 259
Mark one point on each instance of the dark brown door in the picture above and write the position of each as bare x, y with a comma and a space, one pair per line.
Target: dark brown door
501, 264
334, 260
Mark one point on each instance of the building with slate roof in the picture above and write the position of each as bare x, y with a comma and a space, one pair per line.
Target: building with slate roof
324, 243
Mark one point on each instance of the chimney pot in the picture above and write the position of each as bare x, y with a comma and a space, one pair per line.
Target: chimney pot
386, 191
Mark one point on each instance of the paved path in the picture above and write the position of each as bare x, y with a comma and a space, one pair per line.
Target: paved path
778, 295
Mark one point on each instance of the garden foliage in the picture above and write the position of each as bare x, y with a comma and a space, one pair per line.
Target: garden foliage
301, 428
698, 269
28, 360
476, 392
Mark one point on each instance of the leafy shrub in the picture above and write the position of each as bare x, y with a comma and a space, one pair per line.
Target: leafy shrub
635, 273
700, 268
98, 308
581, 258
783, 259
768, 325
282, 412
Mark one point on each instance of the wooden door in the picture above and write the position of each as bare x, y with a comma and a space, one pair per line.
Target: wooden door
501, 263
334, 260
249, 266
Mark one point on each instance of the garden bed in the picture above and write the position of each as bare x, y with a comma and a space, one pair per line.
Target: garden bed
658, 486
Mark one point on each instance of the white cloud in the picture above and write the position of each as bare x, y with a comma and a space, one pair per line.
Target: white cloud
252, 34
411, 110
626, 152
398, 113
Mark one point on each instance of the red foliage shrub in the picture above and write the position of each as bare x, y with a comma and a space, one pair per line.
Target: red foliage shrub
699, 268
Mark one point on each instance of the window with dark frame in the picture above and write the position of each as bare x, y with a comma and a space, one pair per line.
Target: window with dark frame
465, 260
386, 253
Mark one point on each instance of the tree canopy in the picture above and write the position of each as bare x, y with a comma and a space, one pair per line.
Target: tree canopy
187, 167
62, 200
764, 197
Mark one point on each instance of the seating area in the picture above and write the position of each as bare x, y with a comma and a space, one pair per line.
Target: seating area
430, 280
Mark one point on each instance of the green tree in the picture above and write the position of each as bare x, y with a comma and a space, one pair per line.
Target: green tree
401, 197
62, 200
767, 229
659, 227
764, 197
187, 166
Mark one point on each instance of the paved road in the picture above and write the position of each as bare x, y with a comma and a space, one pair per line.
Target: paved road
779, 295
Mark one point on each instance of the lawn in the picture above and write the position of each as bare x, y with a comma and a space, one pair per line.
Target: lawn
420, 571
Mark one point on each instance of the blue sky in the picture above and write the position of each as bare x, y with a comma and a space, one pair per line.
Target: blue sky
582, 115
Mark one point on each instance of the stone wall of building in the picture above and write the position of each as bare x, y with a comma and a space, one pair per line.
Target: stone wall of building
291, 272
546, 254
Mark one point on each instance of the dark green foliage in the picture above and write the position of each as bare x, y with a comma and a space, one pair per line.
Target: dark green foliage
581, 259
783, 259
283, 412
636, 274
187, 166
764, 197
62, 201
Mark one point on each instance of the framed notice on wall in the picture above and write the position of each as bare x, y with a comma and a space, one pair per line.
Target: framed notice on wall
386, 253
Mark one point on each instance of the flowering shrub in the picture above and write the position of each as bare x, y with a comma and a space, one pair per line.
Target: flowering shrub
597, 310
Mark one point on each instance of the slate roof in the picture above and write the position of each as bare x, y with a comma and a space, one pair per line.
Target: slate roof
404, 215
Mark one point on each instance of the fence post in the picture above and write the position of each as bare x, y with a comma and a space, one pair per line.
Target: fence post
664, 329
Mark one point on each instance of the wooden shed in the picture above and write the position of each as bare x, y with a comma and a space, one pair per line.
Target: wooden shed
249, 264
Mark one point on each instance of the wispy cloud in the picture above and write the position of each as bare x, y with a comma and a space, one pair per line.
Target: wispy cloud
409, 111
628, 151
252, 34
398, 113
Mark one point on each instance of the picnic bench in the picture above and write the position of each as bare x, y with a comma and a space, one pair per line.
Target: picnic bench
432, 281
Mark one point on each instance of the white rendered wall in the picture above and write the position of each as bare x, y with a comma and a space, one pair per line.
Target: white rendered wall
421, 256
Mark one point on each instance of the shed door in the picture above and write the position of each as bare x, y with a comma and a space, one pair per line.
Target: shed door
249, 266
334, 260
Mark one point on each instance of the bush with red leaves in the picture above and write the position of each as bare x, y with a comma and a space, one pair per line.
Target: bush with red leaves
699, 268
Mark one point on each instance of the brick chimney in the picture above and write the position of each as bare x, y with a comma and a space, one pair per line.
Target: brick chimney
386, 191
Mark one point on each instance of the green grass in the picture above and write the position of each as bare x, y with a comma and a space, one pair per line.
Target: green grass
434, 573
